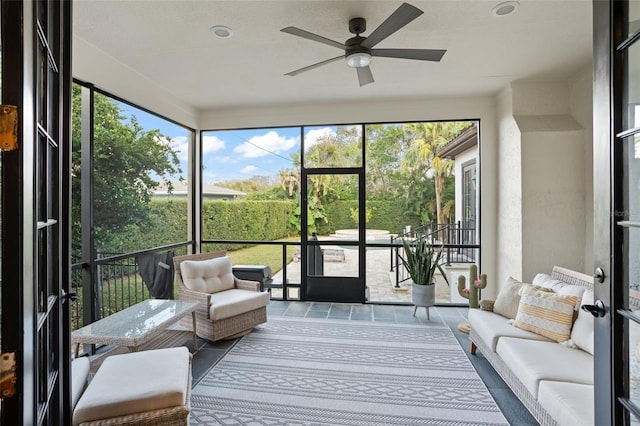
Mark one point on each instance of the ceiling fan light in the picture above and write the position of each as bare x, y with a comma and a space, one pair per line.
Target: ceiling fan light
359, 60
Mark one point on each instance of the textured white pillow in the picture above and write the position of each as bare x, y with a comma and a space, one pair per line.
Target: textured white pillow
560, 287
508, 299
582, 332
208, 276
545, 280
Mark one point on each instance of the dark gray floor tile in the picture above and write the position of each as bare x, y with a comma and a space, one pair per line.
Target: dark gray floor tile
361, 316
316, 314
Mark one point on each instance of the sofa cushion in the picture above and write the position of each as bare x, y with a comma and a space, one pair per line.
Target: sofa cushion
533, 361
79, 375
234, 302
547, 314
491, 327
508, 299
208, 276
136, 382
569, 404
582, 331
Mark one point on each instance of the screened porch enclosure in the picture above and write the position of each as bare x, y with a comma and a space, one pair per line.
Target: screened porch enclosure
143, 188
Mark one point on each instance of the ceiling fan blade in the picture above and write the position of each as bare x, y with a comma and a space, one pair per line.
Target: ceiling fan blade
398, 19
311, 36
310, 67
419, 54
364, 75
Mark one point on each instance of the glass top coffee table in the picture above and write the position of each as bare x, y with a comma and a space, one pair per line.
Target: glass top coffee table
137, 324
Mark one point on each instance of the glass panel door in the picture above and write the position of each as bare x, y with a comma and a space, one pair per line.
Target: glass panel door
333, 238
335, 250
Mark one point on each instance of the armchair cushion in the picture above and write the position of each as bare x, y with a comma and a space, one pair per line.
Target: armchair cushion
234, 302
208, 276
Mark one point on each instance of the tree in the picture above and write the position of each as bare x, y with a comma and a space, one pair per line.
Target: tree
128, 162
423, 154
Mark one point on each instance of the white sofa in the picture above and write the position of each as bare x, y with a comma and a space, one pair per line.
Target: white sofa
541, 349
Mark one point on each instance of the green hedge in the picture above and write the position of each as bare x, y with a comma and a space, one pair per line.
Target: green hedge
386, 214
246, 220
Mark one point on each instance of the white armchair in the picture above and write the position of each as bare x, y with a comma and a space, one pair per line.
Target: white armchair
228, 307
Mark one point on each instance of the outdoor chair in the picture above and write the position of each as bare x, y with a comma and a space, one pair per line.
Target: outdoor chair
228, 306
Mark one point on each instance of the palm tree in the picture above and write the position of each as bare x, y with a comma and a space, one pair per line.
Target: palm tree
423, 152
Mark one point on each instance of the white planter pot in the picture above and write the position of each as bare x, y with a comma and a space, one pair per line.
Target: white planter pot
423, 295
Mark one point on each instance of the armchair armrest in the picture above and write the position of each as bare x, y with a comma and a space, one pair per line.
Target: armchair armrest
247, 284
204, 299
487, 305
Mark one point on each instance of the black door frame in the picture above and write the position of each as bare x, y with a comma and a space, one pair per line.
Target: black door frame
610, 367
39, 398
333, 288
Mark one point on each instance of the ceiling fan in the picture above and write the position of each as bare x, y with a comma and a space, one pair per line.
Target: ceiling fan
359, 50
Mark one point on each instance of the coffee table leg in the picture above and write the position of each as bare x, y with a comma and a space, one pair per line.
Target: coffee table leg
195, 336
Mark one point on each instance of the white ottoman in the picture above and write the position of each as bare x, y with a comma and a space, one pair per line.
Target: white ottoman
139, 388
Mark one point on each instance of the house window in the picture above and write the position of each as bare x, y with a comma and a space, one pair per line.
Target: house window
469, 203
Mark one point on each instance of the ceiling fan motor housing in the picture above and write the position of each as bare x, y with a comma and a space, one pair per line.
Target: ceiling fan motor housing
357, 26
353, 46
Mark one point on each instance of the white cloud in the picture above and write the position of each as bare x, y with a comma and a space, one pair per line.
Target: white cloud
313, 136
269, 143
180, 145
248, 170
211, 144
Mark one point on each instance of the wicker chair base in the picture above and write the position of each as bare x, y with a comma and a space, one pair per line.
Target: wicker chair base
528, 400
227, 328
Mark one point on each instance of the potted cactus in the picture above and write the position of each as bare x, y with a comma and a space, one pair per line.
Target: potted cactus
422, 261
475, 285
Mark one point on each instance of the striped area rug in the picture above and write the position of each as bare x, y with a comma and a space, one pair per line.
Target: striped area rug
332, 372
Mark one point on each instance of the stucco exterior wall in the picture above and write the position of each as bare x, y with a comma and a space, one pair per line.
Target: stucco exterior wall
581, 107
509, 189
545, 189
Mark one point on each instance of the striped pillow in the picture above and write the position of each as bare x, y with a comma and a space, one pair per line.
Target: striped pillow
547, 314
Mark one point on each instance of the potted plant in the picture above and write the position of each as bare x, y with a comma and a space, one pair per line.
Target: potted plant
421, 261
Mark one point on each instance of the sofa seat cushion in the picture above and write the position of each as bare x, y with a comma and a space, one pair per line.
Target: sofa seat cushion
568, 403
229, 303
491, 327
208, 276
534, 361
79, 375
136, 382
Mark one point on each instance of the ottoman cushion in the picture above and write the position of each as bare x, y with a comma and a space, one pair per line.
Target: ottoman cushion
136, 382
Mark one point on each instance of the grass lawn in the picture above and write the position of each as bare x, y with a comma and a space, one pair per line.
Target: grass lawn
269, 255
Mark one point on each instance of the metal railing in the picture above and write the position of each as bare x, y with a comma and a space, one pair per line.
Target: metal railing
457, 242
116, 283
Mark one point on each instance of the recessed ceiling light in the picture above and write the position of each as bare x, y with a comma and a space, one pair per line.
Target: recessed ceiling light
221, 31
506, 8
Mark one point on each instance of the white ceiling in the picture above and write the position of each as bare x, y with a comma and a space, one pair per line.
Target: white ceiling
169, 43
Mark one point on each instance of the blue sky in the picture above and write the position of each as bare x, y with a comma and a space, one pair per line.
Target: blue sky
235, 154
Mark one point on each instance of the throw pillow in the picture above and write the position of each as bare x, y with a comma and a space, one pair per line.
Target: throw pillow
547, 314
573, 290
545, 280
508, 299
582, 332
